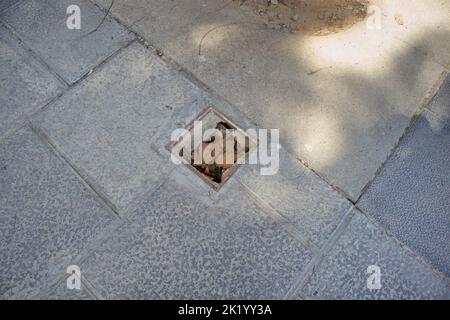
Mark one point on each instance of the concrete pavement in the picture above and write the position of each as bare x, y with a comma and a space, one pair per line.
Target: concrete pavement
86, 179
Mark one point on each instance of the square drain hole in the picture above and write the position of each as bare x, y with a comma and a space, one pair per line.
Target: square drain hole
218, 153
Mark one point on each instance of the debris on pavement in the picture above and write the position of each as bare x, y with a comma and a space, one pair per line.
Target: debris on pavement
312, 17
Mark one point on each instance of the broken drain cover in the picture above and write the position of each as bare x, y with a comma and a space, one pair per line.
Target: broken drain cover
213, 147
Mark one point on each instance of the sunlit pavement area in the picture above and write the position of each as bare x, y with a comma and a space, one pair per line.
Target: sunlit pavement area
86, 178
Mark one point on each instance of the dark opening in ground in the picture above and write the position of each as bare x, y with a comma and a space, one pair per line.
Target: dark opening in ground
218, 170
217, 157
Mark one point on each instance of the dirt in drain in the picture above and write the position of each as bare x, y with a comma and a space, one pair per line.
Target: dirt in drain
313, 17
217, 171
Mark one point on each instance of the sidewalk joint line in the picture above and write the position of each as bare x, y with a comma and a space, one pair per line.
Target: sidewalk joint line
40, 132
423, 106
278, 218
310, 269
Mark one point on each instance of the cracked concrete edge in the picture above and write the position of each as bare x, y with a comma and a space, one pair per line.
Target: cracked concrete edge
425, 102
302, 280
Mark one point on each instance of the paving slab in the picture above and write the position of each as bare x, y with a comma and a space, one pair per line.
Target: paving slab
341, 101
342, 274
107, 125
182, 247
49, 216
71, 53
26, 85
300, 197
410, 197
